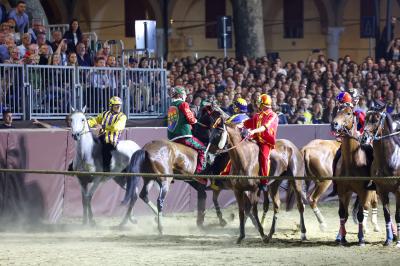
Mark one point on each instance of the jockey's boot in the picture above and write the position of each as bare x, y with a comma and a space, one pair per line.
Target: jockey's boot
214, 185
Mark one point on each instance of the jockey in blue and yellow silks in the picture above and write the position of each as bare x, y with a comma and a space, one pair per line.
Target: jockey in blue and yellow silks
112, 123
239, 116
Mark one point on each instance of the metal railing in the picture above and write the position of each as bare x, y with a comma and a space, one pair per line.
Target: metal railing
138, 54
116, 47
54, 27
49, 92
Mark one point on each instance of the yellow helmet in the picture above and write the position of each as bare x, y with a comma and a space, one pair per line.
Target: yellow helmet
265, 100
115, 100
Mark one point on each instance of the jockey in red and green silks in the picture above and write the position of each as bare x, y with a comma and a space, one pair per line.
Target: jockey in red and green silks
180, 121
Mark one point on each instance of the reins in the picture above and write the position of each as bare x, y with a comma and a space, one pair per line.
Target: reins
215, 125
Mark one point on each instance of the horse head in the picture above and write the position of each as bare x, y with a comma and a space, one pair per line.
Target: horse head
374, 123
79, 124
344, 122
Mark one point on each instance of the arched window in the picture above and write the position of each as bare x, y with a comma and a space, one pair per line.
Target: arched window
293, 19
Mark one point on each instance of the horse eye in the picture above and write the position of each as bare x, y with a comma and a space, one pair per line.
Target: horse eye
83, 120
348, 113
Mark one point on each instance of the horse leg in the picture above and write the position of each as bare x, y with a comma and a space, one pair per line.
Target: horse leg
362, 215
89, 196
222, 221
164, 187
144, 194
397, 216
374, 216
356, 207
84, 189
344, 201
265, 206
276, 201
388, 220
314, 197
254, 201
240, 200
133, 190
298, 190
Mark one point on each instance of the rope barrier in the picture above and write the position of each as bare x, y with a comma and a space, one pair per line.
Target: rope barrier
193, 176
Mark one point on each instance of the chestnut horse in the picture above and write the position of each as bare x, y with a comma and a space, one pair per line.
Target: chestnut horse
353, 162
318, 159
386, 145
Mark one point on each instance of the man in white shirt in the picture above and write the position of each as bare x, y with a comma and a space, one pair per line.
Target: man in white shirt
26, 41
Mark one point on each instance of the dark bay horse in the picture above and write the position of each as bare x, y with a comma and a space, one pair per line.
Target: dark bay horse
353, 162
386, 146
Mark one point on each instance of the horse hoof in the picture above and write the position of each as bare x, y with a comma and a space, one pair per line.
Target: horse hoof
377, 229
388, 242
239, 240
266, 239
323, 227
341, 241
222, 222
92, 223
398, 245
303, 237
361, 243
133, 220
395, 238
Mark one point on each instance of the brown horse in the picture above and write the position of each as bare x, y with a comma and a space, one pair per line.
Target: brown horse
244, 159
286, 160
353, 162
386, 145
164, 157
318, 158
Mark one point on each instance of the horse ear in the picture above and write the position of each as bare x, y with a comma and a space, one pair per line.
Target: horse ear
72, 109
84, 109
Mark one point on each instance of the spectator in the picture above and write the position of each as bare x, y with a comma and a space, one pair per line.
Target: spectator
3, 13
7, 120
26, 41
44, 54
37, 28
73, 36
73, 59
317, 113
57, 38
41, 40
82, 56
14, 58
329, 113
111, 61
282, 118
20, 17
393, 49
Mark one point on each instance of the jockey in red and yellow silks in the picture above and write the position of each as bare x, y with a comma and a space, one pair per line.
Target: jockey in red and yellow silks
263, 127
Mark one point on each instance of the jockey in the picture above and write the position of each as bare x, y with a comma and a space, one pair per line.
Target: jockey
180, 121
111, 124
263, 126
240, 115
345, 99
239, 112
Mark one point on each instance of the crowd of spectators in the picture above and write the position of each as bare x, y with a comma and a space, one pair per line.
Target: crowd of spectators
303, 92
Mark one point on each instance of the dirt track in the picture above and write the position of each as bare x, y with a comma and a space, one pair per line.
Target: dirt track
68, 243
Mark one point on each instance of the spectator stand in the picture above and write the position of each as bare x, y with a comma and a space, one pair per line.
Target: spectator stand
92, 39
116, 47
135, 55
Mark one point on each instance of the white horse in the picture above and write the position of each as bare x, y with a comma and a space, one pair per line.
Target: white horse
88, 157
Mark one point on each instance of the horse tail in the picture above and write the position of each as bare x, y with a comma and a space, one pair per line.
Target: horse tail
136, 165
296, 168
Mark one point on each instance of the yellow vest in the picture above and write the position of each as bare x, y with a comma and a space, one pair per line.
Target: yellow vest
112, 125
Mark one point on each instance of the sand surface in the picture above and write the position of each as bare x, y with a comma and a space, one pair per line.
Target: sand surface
69, 243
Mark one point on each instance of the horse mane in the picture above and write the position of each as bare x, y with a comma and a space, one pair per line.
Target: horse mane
389, 121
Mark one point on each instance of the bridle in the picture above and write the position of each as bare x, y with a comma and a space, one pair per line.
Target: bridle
223, 128
380, 127
345, 131
82, 132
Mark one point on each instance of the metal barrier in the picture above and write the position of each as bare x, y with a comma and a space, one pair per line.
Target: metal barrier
138, 54
12, 89
51, 90
53, 27
98, 85
92, 39
147, 92
116, 48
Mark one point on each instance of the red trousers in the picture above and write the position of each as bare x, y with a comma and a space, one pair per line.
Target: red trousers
264, 162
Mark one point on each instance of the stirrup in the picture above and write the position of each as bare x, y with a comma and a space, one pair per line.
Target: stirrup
214, 186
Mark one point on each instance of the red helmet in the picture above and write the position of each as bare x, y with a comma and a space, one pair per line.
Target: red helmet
344, 98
